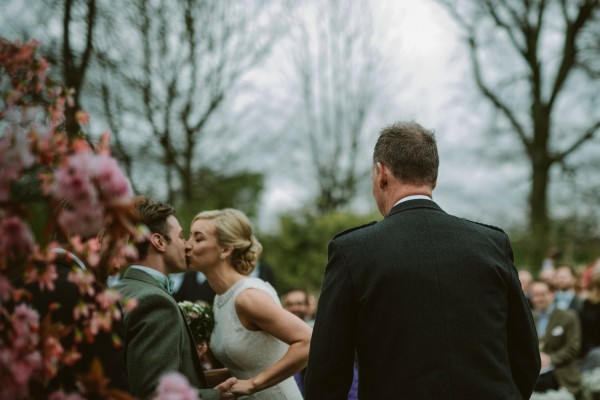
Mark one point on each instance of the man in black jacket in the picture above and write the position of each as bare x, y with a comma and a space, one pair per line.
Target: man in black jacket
430, 303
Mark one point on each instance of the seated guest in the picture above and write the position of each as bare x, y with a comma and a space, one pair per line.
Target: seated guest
566, 296
590, 326
296, 302
526, 278
560, 340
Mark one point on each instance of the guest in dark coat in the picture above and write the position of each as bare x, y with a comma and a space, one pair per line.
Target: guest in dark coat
430, 303
107, 347
590, 327
194, 287
560, 341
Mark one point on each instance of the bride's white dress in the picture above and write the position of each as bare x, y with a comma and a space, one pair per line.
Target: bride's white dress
246, 353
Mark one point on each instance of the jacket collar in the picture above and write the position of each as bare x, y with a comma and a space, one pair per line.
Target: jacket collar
412, 204
139, 275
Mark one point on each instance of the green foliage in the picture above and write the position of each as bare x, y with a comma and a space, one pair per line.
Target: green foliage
575, 237
298, 252
214, 190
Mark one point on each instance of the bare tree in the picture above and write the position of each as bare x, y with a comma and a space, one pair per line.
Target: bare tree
336, 69
527, 61
71, 50
186, 60
76, 65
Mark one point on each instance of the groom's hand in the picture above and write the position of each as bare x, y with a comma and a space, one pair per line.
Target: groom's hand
224, 389
244, 387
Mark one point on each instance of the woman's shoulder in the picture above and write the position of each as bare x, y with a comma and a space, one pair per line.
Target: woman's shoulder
255, 283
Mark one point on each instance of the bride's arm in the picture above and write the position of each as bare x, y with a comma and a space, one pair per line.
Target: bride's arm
258, 311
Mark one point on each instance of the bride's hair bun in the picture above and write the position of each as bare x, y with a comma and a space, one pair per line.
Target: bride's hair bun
235, 230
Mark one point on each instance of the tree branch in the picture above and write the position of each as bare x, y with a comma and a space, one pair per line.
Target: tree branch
491, 6
587, 135
487, 92
570, 46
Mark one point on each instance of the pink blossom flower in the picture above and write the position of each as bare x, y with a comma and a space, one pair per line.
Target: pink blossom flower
102, 320
5, 289
72, 181
83, 279
114, 185
21, 372
174, 386
42, 69
129, 305
82, 310
16, 240
107, 298
25, 319
82, 117
57, 111
47, 278
53, 352
70, 357
85, 221
103, 146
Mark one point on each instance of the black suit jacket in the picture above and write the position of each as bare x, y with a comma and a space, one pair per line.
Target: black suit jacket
433, 307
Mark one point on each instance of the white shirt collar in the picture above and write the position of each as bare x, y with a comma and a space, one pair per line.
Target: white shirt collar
177, 279
413, 197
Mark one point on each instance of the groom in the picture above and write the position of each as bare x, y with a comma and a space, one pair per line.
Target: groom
157, 338
430, 303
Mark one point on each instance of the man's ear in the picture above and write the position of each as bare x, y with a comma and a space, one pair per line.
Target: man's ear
158, 241
382, 175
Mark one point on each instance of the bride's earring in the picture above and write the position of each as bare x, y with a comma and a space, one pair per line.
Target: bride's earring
222, 256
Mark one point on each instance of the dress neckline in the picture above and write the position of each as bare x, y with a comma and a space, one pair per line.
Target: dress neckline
220, 300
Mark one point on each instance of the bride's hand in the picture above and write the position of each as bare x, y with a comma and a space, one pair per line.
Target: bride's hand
225, 388
243, 387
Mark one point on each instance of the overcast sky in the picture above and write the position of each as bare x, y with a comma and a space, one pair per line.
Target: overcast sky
431, 83
436, 91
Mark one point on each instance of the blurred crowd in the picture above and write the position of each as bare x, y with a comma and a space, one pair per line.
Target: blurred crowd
565, 303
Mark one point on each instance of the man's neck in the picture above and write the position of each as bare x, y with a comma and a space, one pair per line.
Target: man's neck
547, 310
155, 263
404, 191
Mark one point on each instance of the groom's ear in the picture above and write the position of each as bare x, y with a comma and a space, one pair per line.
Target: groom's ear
158, 241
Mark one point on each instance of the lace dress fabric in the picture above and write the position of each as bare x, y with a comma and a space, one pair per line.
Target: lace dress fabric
246, 353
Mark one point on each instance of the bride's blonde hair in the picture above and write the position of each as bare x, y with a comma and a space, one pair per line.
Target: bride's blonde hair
235, 230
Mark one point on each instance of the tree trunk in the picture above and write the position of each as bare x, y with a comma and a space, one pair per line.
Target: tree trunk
538, 216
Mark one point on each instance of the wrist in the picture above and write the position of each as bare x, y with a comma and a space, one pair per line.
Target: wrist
255, 384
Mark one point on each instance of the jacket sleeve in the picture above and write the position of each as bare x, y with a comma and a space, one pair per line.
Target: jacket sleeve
153, 344
331, 357
523, 347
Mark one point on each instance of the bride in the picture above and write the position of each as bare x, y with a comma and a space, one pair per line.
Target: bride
260, 343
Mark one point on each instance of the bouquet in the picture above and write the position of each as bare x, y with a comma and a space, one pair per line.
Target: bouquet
200, 318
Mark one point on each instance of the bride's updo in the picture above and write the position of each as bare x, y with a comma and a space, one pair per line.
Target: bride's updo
235, 230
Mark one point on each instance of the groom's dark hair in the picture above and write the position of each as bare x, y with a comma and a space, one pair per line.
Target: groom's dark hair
410, 151
154, 215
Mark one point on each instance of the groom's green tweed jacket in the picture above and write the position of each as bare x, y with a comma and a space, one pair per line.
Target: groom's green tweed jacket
157, 338
431, 306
